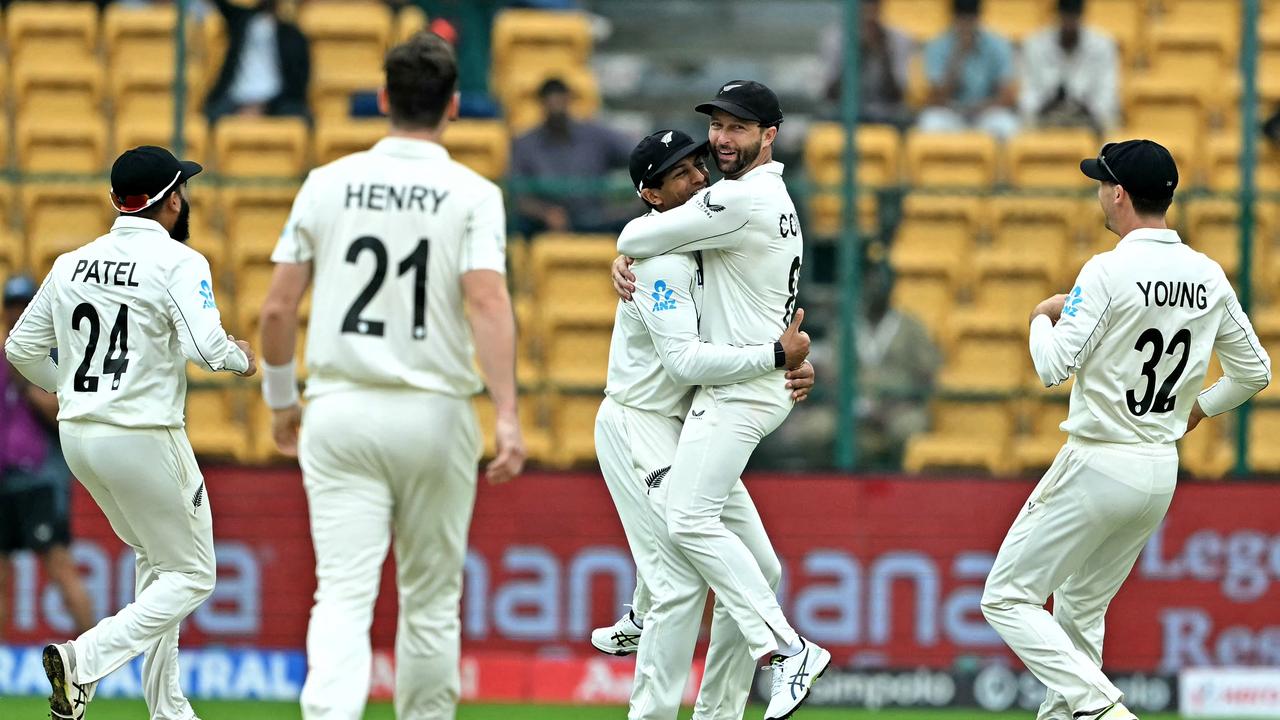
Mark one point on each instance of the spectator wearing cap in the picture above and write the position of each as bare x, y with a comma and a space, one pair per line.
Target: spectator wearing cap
1069, 74
35, 482
971, 73
267, 66
558, 166
884, 61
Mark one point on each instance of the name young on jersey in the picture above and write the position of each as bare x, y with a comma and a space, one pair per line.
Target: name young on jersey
105, 272
377, 196
1174, 294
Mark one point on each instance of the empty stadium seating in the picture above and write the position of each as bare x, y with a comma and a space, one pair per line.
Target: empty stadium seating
921, 19
260, 147
1212, 227
58, 92
936, 234
331, 94
1121, 19
1016, 19
253, 217
952, 444
61, 216
986, 361
216, 423
1049, 158
335, 139
346, 37
966, 159
1029, 236
159, 131
62, 146
482, 145
573, 422
878, 154
63, 34
548, 39
1035, 450
139, 36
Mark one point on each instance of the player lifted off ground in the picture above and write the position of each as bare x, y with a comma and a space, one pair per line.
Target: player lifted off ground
1137, 330
126, 312
747, 229
408, 252
655, 358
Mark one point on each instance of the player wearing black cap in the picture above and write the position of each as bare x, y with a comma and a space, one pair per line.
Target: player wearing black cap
1137, 330
750, 238
126, 312
655, 359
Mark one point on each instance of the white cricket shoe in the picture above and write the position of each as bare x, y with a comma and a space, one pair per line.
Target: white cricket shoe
1116, 711
69, 698
620, 638
793, 678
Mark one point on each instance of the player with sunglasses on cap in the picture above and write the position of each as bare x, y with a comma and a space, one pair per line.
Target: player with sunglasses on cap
126, 312
1137, 331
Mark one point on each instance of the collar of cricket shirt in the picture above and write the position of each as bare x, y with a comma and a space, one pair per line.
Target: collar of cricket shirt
1152, 234
410, 148
133, 222
773, 166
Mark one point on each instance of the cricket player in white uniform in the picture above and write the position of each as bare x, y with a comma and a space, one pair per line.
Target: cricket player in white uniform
655, 358
126, 312
1137, 331
746, 228
408, 251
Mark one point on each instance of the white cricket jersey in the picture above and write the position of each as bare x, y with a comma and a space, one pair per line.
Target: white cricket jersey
656, 354
1137, 331
125, 313
390, 232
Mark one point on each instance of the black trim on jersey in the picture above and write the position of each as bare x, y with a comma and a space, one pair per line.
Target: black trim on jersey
194, 342
1246, 336
1096, 325
708, 237
48, 279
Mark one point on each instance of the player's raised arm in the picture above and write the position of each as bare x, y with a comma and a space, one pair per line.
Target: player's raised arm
195, 316
1066, 329
665, 304
31, 339
1246, 368
710, 220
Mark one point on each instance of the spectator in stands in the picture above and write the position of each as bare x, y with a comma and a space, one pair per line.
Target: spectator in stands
884, 61
35, 487
267, 66
1069, 74
557, 169
971, 78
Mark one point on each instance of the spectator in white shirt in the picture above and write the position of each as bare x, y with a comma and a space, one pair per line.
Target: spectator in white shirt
1069, 75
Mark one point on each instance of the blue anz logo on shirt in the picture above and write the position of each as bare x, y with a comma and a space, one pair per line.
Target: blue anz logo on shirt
1073, 302
206, 292
662, 297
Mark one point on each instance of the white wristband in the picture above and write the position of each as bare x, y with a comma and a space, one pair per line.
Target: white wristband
279, 385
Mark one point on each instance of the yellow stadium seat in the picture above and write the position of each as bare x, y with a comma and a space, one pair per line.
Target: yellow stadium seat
964, 159
253, 218
579, 262
1264, 427
61, 217
346, 37
1212, 227
1191, 54
52, 33
4, 82
408, 22
206, 238
1049, 158
964, 434
146, 93
560, 39
1035, 451
482, 145
825, 219
519, 92
986, 362
1029, 236
528, 343
1166, 108
335, 139
534, 426
139, 36
58, 92
65, 146
1209, 452
1000, 305
5, 152
573, 422
878, 154
253, 281
331, 95
213, 44
936, 234
1016, 19
260, 147
921, 19
13, 251
1223, 171
1269, 40
216, 423
195, 136
577, 352
1222, 16
1124, 20
929, 298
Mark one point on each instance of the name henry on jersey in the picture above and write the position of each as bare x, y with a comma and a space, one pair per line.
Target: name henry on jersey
376, 196
105, 272
1174, 294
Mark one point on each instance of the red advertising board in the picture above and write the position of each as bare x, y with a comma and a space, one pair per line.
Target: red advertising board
885, 571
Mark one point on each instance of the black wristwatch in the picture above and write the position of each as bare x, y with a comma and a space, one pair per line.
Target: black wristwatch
779, 355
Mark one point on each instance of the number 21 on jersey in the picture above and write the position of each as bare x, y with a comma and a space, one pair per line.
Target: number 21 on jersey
354, 321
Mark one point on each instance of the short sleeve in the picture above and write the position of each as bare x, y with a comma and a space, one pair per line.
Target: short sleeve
484, 245
297, 240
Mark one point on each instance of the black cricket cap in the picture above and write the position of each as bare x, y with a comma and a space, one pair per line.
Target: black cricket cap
657, 153
746, 99
143, 175
1144, 168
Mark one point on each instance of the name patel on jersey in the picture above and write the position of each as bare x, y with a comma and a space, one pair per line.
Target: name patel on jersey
1174, 294
376, 196
105, 272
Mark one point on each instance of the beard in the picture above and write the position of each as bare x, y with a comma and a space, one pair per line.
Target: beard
732, 167
182, 226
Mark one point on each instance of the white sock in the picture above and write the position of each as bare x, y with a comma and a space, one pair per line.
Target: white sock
793, 648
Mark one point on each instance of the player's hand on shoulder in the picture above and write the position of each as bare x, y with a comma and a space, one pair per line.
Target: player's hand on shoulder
800, 381
248, 353
624, 281
509, 461
1051, 306
285, 424
795, 342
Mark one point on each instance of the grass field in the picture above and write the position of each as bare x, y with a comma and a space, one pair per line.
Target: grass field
34, 708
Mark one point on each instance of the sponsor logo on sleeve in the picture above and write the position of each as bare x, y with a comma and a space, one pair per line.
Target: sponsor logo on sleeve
206, 294
1073, 302
662, 297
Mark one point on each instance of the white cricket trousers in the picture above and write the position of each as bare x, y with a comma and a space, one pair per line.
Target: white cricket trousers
1076, 538
722, 430
378, 464
148, 485
635, 449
